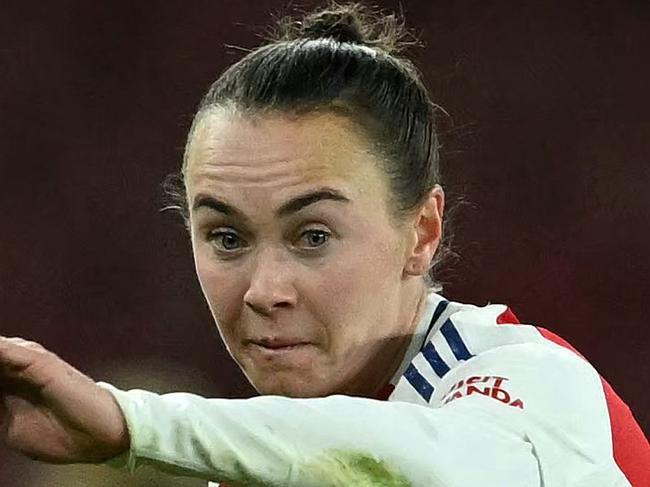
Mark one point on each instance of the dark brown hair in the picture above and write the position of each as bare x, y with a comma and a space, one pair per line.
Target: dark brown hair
343, 58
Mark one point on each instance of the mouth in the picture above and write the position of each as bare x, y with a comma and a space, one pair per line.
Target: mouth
279, 345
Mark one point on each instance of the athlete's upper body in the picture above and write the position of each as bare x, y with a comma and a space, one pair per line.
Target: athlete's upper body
477, 400
311, 190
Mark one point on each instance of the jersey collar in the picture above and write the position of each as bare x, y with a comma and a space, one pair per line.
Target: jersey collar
428, 324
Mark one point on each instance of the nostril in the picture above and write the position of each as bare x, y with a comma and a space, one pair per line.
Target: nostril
266, 309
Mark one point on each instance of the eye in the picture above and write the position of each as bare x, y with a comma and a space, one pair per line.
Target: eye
315, 238
225, 241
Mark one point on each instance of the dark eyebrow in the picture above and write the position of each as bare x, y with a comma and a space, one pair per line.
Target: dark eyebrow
292, 206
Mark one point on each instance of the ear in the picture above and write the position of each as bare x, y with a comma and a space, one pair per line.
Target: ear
425, 235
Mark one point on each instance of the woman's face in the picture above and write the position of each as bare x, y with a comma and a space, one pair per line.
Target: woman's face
296, 254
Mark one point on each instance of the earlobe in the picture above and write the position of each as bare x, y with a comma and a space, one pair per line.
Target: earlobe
413, 269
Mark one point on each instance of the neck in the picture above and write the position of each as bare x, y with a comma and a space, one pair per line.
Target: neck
416, 310
392, 352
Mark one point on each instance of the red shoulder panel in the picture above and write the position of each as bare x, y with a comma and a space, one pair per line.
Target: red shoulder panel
631, 448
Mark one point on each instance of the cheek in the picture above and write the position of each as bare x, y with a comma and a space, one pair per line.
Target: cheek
222, 290
368, 267
355, 291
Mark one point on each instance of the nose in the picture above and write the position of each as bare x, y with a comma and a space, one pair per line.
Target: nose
271, 285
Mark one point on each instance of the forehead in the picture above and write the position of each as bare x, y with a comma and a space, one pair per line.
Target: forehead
279, 151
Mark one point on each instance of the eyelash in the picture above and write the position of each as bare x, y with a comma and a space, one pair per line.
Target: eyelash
216, 235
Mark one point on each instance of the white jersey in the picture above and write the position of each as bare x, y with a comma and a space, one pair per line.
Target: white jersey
479, 399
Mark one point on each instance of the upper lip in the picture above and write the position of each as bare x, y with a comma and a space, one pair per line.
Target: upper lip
278, 342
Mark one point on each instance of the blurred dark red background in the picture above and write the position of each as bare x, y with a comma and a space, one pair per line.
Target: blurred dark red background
548, 143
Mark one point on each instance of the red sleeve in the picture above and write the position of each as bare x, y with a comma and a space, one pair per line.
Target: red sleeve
631, 447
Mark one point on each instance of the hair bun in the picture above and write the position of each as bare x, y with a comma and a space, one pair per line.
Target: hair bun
341, 25
349, 22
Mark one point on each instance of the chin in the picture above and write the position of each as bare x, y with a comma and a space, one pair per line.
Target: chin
291, 387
